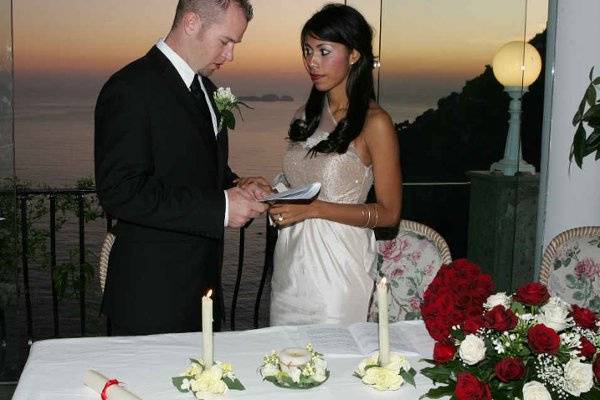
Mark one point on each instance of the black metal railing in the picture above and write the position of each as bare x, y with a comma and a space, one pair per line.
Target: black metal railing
24, 196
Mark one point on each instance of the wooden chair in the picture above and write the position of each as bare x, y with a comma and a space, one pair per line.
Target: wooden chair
571, 266
409, 262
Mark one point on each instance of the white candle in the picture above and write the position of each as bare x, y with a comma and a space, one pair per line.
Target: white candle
384, 332
207, 332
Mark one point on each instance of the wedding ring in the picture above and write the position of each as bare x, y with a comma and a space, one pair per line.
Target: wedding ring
280, 218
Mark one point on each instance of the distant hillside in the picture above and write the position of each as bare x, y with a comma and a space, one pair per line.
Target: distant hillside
467, 131
267, 97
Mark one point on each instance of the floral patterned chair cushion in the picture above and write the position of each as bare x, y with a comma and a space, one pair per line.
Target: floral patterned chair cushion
409, 262
571, 267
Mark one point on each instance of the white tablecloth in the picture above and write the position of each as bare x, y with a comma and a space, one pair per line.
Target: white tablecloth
146, 364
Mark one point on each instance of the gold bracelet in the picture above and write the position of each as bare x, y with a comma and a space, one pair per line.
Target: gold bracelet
369, 215
376, 216
364, 215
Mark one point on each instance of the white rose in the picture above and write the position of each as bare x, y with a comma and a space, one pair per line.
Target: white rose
269, 370
534, 390
295, 373
579, 377
498, 299
397, 362
371, 360
554, 314
472, 350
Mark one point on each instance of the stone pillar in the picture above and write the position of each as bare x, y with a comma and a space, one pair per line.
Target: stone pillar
502, 221
569, 196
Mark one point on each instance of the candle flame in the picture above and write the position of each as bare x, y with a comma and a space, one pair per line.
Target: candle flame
209, 293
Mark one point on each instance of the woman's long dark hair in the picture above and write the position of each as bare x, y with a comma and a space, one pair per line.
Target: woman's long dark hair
340, 24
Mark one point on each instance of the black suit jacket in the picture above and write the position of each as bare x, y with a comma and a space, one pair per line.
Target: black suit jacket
161, 172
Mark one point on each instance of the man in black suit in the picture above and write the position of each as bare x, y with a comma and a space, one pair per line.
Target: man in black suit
162, 171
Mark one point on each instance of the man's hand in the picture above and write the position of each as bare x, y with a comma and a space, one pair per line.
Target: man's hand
243, 207
257, 185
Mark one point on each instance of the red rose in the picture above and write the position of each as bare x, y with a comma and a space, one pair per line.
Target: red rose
596, 368
468, 387
472, 324
437, 329
510, 369
584, 317
443, 352
543, 339
532, 294
500, 319
587, 348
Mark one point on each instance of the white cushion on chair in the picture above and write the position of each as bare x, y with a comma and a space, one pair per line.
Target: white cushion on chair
409, 262
574, 272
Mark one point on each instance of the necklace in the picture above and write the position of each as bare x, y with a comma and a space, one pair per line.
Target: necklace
336, 112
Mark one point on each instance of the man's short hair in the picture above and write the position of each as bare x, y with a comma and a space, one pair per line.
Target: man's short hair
210, 9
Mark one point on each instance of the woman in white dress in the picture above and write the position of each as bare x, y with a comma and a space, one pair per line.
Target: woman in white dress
345, 140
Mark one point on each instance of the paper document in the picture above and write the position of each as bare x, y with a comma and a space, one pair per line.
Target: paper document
305, 192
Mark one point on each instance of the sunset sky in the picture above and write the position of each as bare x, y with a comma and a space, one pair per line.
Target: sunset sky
429, 40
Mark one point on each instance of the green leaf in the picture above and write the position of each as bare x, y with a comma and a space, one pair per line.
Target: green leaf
438, 392
458, 334
439, 373
228, 119
590, 95
409, 376
592, 72
596, 81
234, 384
592, 116
579, 114
579, 145
194, 361
177, 381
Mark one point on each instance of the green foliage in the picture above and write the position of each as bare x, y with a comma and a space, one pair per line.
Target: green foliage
588, 114
66, 274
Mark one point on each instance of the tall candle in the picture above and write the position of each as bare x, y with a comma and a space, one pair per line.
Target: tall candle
207, 331
384, 332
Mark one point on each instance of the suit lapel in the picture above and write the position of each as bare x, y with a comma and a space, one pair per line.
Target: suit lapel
183, 95
222, 143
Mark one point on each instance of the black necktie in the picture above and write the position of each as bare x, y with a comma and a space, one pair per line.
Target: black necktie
198, 94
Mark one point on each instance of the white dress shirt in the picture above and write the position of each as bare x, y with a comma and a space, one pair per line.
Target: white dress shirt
187, 74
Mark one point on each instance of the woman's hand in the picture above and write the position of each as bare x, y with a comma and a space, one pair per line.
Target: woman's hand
286, 214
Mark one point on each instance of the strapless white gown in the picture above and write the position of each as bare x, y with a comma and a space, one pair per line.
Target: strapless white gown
322, 268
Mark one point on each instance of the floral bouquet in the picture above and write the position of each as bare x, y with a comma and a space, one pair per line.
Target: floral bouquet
387, 377
295, 368
527, 346
227, 102
207, 383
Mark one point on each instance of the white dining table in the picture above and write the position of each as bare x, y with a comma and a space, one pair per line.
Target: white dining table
55, 367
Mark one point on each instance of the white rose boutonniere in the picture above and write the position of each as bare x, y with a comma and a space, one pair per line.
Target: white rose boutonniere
226, 102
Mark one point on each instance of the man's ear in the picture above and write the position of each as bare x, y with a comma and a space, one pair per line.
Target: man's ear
192, 23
